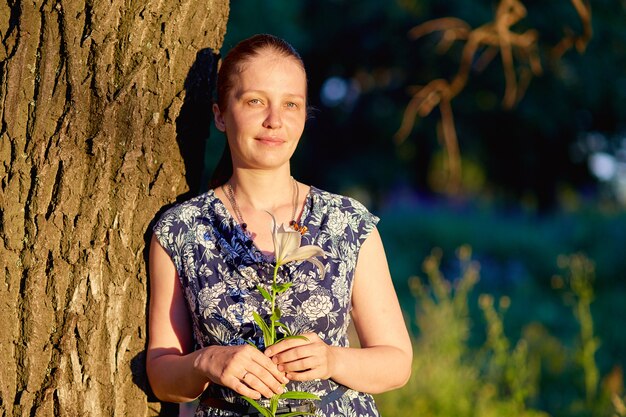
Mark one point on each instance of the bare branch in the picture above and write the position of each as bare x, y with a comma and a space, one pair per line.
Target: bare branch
520, 62
583, 8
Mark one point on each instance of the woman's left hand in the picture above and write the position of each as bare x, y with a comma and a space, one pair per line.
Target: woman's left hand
303, 360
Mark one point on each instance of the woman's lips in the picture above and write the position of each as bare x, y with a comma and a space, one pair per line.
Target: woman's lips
270, 140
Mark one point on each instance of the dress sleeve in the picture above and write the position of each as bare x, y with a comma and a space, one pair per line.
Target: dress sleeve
167, 231
363, 219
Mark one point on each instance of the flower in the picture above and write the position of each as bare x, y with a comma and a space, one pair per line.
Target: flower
337, 223
317, 306
240, 312
287, 248
208, 298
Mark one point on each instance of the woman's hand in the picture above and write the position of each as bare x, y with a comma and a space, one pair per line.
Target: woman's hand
303, 360
244, 369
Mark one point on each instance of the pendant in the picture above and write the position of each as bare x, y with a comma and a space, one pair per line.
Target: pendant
298, 228
246, 232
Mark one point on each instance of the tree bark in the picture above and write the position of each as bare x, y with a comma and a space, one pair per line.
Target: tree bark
93, 97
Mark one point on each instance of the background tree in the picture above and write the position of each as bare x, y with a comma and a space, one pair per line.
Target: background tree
94, 96
362, 64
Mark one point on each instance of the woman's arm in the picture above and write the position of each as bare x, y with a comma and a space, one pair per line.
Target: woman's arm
384, 360
178, 374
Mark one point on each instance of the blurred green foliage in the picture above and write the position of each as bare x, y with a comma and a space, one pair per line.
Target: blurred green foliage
499, 376
518, 254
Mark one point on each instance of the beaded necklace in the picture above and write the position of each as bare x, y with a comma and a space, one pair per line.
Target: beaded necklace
230, 194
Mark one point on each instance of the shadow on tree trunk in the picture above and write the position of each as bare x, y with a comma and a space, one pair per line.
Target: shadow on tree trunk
193, 130
194, 122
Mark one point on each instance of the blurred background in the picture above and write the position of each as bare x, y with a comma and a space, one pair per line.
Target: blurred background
501, 188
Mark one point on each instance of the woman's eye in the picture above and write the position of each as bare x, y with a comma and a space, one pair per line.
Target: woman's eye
291, 105
254, 101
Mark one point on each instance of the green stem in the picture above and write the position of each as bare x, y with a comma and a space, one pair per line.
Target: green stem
272, 320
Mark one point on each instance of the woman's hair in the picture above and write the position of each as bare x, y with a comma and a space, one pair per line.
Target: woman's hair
232, 65
245, 50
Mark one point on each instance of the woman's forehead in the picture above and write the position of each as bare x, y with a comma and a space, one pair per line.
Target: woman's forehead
268, 57
272, 70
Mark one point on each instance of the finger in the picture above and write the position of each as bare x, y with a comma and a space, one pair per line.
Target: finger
266, 369
265, 383
242, 388
290, 356
308, 375
300, 365
260, 385
284, 345
298, 353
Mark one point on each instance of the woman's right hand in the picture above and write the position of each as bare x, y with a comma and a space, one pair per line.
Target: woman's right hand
244, 369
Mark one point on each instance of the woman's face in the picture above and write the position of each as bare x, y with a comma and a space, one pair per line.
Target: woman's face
266, 111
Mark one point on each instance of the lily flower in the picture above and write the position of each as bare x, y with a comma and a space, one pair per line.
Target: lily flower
287, 248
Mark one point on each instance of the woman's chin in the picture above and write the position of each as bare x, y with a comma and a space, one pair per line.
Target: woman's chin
269, 164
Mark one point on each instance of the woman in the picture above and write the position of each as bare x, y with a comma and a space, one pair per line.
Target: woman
208, 254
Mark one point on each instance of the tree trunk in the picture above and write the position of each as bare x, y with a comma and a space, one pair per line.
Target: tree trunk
94, 96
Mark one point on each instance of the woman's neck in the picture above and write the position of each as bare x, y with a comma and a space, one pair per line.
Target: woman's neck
263, 189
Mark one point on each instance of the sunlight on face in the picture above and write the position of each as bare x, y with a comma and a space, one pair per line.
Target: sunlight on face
266, 111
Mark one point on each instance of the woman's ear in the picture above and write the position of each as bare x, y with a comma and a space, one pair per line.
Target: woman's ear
219, 118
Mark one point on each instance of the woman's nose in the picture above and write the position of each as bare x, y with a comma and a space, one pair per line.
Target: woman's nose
273, 119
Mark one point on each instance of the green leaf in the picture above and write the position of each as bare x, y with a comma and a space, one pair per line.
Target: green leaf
267, 334
265, 411
259, 320
296, 336
280, 288
264, 293
298, 395
285, 328
274, 404
277, 314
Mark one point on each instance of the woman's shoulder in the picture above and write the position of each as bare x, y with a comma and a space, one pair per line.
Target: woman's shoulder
187, 212
338, 202
341, 217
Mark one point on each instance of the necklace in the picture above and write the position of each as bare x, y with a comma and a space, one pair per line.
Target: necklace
230, 194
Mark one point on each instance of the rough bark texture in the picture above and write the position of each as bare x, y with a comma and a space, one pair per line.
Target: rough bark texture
98, 103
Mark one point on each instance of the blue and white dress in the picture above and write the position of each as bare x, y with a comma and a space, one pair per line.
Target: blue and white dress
219, 268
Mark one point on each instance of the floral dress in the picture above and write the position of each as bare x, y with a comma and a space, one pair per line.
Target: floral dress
219, 268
